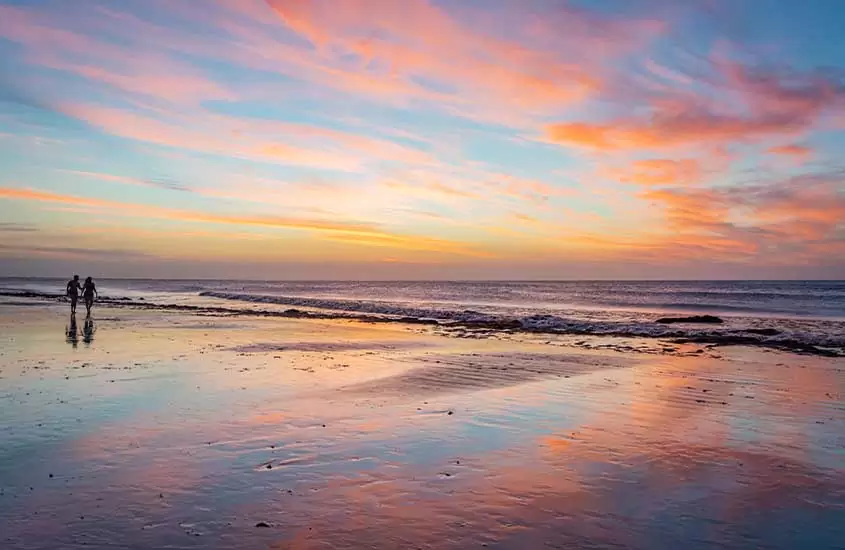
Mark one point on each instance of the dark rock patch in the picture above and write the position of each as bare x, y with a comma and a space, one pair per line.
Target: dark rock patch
708, 319
763, 331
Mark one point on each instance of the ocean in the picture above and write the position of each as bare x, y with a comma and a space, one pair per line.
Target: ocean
798, 315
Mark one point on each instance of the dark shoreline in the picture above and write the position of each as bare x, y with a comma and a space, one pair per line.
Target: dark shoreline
200, 279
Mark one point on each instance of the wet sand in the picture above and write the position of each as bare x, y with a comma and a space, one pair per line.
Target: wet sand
148, 429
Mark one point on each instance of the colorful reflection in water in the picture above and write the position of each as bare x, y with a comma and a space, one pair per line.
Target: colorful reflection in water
165, 433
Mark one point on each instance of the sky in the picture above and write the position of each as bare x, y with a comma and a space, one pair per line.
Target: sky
422, 139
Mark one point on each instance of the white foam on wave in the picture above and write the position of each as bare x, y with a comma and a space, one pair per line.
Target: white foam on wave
541, 322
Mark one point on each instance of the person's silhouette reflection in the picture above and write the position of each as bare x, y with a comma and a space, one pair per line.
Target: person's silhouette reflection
71, 333
88, 330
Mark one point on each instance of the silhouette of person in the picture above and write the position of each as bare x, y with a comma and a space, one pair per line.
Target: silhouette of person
89, 290
73, 289
71, 334
88, 331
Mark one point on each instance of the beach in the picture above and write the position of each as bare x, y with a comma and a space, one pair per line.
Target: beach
152, 428
422, 275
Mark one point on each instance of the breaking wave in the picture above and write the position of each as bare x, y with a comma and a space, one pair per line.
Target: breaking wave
759, 333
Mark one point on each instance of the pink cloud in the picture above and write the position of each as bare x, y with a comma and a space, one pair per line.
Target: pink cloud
371, 147
135, 70
753, 105
799, 152
173, 82
379, 50
248, 138
813, 204
26, 28
667, 129
392, 43
799, 96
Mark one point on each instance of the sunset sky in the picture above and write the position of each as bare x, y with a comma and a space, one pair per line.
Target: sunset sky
422, 139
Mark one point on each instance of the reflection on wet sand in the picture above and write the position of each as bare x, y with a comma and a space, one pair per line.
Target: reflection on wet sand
88, 331
71, 332
434, 374
178, 437
692, 497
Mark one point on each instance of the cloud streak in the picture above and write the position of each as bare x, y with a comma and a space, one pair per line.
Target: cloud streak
359, 233
156, 183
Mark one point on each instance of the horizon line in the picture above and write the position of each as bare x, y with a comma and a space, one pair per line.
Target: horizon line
643, 280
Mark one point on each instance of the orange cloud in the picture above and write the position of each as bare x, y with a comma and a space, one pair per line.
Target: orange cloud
772, 105
666, 130
34, 195
556, 444
797, 151
659, 172
804, 207
695, 208
582, 134
791, 218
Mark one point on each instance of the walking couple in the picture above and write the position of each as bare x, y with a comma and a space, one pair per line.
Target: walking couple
88, 290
